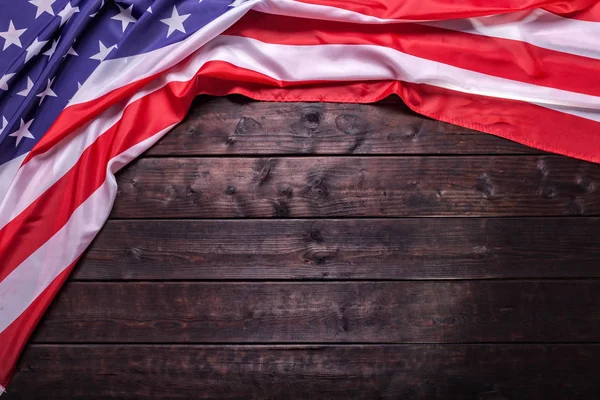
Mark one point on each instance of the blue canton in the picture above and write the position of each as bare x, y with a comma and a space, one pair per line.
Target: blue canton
48, 48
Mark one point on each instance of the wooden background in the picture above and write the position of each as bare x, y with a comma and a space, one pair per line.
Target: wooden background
330, 251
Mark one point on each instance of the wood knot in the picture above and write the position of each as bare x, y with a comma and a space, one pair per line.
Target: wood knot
351, 124
264, 172
485, 186
586, 184
230, 190
287, 192
170, 193
192, 194
316, 235
311, 118
191, 131
575, 207
343, 321
481, 250
318, 188
133, 254
541, 169
189, 191
315, 258
412, 131
247, 125
280, 209
548, 190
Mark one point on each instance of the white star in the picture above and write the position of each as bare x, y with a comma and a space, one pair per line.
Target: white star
4, 81
125, 17
43, 6
71, 52
98, 10
175, 22
67, 13
237, 3
11, 36
26, 91
149, 9
103, 53
4, 123
47, 91
23, 132
52, 49
34, 48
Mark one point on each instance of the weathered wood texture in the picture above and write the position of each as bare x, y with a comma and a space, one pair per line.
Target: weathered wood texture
336, 312
358, 186
309, 275
236, 125
469, 372
413, 248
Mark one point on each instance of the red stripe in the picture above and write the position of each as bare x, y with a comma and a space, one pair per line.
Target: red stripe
420, 10
79, 114
523, 122
590, 14
48, 213
505, 58
14, 338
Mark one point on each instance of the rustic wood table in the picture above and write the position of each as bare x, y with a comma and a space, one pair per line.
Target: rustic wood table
332, 251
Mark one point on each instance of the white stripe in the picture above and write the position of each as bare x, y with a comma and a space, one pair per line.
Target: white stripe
318, 11
19, 188
25, 283
343, 62
327, 62
113, 74
8, 170
537, 27
44, 170
123, 71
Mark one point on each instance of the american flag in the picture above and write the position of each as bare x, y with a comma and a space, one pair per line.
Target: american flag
86, 86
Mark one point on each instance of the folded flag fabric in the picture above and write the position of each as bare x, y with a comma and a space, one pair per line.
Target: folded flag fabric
87, 86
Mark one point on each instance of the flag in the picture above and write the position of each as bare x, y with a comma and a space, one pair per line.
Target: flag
86, 86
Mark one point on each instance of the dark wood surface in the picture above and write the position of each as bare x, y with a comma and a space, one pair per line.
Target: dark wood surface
477, 372
344, 249
331, 251
332, 312
386, 186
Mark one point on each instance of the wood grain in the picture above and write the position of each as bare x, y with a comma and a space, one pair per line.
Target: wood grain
357, 186
488, 372
235, 125
289, 289
412, 248
338, 312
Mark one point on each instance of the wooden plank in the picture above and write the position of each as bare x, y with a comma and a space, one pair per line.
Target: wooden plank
483, 372
358, 186
342, 312
412, 248
236, 125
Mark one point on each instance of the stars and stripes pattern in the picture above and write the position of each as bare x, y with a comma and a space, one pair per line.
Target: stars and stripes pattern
88, 85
